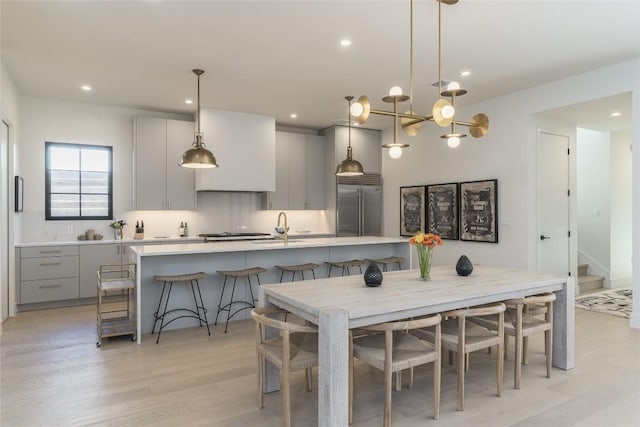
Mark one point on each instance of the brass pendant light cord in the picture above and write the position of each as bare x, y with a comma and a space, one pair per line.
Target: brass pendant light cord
198, 118
411, 58
439, 48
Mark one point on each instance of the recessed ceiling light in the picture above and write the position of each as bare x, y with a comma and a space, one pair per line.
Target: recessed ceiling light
188, 101
293, 116
345, 42
616, 114
465, 73
85, 88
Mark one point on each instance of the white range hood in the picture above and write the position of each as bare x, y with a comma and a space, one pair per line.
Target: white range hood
245, 147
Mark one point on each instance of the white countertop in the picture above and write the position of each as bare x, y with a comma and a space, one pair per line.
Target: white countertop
190, 239
259, 245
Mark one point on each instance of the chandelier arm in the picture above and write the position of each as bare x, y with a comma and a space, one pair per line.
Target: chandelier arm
403, 115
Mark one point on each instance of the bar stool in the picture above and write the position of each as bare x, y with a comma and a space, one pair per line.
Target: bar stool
345, 265
200, 311
388, 260
301, 268
247, 273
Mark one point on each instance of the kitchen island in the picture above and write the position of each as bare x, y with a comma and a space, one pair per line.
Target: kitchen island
186, 258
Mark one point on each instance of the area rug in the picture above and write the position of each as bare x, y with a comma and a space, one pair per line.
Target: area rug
616, 302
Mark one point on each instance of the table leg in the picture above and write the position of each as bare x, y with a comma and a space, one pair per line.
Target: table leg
333, 368
564, 327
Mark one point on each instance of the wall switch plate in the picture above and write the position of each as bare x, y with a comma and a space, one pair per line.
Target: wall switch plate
70, 229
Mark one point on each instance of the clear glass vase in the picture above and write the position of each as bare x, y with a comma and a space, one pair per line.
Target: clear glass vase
424, 260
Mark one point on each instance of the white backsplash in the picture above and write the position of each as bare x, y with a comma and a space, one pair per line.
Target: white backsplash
217, 212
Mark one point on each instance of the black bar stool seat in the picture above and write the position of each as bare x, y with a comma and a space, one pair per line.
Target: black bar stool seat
387, 260
345, 266
241, 304
200, 312
301, 268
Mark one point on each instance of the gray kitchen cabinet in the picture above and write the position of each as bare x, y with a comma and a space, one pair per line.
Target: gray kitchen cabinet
366, 145
299, 173
48, 273
160, 183
91, 257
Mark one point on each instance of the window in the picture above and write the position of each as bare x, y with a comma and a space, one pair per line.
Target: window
78, 181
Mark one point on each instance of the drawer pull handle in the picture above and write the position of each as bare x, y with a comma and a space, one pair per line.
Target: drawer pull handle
51, 252
48, 264
50, 286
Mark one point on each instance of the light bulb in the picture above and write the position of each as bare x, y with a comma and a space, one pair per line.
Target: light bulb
453, 86
356, 109
395, 152
453, 141
395, 91
448, 111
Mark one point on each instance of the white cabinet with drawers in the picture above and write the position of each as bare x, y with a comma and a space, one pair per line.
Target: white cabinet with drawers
49, 273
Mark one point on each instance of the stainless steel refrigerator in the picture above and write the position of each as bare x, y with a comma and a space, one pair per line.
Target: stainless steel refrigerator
359, 206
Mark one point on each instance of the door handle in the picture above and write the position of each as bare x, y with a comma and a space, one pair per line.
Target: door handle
543, 237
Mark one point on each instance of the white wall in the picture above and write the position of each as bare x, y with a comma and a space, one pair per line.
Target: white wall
621, 190
594, 213
61, 121
507, 153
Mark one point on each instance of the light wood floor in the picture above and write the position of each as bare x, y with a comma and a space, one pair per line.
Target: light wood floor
53, 374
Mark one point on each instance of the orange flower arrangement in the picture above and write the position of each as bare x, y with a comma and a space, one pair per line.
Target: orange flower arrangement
431, 240
424, 244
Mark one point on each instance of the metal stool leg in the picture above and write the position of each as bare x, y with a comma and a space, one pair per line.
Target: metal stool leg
281, 275
166, 303
155, 315
195, 300
330, 267
313, 273
224, 285
233, 291
204, 310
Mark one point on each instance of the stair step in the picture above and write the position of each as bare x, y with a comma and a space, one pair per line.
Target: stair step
589, 283
582, 269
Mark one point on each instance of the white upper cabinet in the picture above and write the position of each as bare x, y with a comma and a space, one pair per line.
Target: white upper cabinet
160, 183
245, 149
299, 172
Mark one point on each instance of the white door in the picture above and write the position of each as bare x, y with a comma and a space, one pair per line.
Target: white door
553, 203
4, 220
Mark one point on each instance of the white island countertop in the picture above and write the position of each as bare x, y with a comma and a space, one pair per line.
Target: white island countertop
259, 245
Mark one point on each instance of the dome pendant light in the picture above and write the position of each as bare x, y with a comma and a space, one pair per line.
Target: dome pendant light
349, 166
198, 157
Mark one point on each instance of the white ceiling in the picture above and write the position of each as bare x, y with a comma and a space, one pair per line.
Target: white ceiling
278, 57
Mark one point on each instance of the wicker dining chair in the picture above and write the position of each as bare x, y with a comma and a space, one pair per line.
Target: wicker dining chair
390, 347
294, 349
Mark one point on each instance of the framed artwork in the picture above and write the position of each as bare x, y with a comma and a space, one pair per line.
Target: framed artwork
19, 193
442, 210
479, 211
411, 210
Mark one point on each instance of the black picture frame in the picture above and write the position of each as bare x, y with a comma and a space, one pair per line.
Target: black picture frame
412, 210
442, 210
19, 193
479, 211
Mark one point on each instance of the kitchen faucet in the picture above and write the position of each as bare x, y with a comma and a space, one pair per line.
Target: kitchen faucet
286, 227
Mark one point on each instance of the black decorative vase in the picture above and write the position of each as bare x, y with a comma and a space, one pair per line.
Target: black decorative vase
373, 275
464, 266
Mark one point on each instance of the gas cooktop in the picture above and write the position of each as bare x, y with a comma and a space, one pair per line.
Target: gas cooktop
226, 236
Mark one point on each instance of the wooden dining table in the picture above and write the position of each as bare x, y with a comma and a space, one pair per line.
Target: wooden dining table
338, 304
